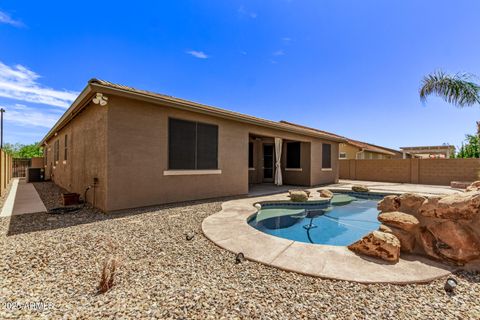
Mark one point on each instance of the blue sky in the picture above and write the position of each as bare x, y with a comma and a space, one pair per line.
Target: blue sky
349, 67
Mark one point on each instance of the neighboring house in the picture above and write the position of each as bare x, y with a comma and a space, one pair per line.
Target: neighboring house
136, 148
353, 149
430, 152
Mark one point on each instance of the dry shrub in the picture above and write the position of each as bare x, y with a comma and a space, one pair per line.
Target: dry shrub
107, 277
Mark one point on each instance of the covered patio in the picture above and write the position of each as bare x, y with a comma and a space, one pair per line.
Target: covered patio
278, 161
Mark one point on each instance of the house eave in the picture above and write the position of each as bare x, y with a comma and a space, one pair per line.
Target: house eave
76, 106
198, 108
94, 87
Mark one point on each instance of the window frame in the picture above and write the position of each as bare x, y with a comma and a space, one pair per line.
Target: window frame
340, 155
196, 147
251, 157
56, 151
326, 168
290, 143
65, 148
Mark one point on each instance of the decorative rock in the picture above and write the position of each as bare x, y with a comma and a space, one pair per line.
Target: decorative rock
360, 188
389, 203
474, 186
384, 228
410, 202
407, 240
471, 189
298, 196
398, 219
450, 241
295, 190
378, 244
325, 193
453, 206
428, 243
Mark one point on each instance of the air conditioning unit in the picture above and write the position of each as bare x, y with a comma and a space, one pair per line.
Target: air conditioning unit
35, 174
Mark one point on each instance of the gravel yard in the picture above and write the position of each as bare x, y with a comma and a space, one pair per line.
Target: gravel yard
56, 259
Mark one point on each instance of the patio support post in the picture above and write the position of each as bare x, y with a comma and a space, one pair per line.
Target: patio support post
278, 157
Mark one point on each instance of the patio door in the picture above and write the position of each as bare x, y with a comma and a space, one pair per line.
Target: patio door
268, 165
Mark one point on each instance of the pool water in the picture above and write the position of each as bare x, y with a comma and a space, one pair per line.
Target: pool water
339, 225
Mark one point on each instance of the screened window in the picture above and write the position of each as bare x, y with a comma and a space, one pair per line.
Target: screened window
326, 156
293, 155
343, 155
250, 154
192, 145
65, 149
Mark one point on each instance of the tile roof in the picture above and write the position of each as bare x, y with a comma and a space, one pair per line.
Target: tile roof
356, 143
96, 85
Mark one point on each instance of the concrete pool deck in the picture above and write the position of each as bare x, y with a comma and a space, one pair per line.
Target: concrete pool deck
229, 230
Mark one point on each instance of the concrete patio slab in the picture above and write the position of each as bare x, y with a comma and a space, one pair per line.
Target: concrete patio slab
22, 199
397, 187
229, 230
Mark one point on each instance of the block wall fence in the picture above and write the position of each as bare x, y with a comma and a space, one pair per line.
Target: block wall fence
422, 171
5, 171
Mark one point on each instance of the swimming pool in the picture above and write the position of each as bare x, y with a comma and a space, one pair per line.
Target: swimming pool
339, 225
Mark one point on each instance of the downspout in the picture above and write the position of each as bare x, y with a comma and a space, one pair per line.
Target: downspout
356, 155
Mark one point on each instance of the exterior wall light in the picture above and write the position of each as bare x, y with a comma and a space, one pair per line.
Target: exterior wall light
100, 99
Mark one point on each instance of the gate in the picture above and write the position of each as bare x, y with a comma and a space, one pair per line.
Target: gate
20, 166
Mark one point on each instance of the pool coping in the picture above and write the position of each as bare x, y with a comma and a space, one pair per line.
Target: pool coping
229, 230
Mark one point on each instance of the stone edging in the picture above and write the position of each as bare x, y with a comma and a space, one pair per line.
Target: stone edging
229, 230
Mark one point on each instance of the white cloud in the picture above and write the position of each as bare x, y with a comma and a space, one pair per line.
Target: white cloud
6, 19
286, 40
20, 83
20, 114
244, 12
279, 53
198, 54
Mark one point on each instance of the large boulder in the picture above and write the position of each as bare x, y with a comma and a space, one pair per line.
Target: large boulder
399, 220
410, 202
389, 203
454, 206
451, 241
360, 188
294, 190
378, 244
325, 193
407, 239
298, 196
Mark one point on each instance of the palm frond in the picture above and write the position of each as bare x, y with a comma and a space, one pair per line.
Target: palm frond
457, 89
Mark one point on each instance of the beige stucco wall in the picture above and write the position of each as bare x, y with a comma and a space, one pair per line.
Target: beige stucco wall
352, 151
138, 157
321, 176
87, 150
298, 178
349, 150
125, 146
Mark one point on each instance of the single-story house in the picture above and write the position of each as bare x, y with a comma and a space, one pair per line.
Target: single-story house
354, 149
430, 152
137, 148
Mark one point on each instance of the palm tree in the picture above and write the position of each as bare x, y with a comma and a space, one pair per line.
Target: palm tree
457, 89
